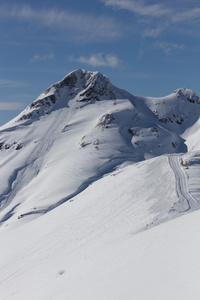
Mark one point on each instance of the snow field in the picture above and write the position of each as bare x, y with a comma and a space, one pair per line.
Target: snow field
58, 257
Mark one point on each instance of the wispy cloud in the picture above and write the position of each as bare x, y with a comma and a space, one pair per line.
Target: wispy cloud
156, 10
11, 105
98, 60
38, 57
140, 8
77, 25
153, 32
6, 83
168, 48
187, 15
159, 16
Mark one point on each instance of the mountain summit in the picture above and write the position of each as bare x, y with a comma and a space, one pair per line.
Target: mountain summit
80, 129
79, 86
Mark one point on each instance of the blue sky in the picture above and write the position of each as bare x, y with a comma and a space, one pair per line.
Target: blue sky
147, 47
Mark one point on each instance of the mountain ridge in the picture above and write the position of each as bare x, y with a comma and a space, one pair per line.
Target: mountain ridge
85, 121
89, 86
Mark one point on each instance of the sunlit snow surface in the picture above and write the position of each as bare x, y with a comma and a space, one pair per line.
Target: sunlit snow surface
84, 170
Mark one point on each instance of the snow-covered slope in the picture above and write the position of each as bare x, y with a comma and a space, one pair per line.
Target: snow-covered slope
81, 251
85, 168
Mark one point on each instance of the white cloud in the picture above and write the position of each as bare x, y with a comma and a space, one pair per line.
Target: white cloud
159, 17
190, 15
11, 105
77, 25
38, 57
12, 83
156, 10
169, 47
98, 60
138, 7
153, 32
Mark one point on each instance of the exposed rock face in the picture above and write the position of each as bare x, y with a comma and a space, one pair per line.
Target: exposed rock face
85, 87
79, 84
187, 94
105, 121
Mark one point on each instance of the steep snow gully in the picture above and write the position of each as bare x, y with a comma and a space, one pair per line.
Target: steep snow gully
186, 200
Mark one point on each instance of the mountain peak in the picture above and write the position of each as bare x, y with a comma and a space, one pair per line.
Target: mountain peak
188, 94
81, 79
79, 86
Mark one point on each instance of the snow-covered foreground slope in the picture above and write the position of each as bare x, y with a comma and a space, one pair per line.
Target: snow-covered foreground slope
86, 171
72, 253
91, 247
133, 194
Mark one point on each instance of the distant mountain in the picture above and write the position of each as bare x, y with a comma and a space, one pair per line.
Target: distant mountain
77, 131
84, 170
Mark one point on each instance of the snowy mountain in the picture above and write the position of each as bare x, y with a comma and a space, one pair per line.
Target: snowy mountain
85, 169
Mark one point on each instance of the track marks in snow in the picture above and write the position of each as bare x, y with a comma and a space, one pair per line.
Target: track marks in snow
186, 200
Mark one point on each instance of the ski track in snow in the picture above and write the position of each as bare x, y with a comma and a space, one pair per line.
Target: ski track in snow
181, 183
31, 168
